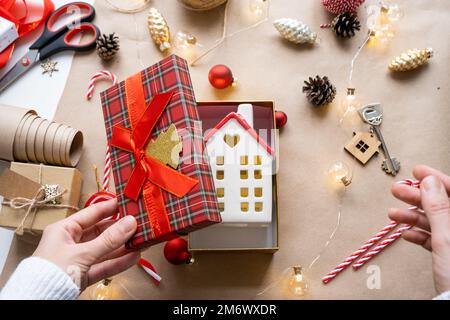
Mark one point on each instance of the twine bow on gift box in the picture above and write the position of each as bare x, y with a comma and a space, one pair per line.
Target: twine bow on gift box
42, 199
149, 175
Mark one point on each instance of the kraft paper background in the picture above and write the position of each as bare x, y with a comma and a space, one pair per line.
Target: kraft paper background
416, 129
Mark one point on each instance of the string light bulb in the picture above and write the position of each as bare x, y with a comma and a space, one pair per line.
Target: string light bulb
258, 7
104, 290
296, 282
382, 25
340, 174
186, 45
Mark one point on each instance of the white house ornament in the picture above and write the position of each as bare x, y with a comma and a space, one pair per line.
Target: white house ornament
295, 31
411, 60
158, 29
242, 164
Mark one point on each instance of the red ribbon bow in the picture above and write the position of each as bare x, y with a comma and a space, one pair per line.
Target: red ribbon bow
149, 175
146, 167
19, 12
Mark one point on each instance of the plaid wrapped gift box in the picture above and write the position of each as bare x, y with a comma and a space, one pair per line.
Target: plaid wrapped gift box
198, 208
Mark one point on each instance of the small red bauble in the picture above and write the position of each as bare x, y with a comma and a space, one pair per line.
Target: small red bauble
176, 251
280, 119
341, 6
220, 76
102, 196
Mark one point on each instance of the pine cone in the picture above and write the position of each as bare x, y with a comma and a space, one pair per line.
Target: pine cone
411, 59
107, 46
295, 31
159, 29
345, 25
319, 90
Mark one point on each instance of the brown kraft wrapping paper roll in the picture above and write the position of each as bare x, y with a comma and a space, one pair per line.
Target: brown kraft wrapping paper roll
27, 137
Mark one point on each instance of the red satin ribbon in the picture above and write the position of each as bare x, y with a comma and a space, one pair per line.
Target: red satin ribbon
18, 12
149, 175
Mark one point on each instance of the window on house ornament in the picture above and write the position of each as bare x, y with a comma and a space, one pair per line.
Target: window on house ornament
362, 146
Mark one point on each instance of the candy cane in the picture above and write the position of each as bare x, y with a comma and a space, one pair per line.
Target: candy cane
148, 267
107, 170
369, 243
372, 241
95, 77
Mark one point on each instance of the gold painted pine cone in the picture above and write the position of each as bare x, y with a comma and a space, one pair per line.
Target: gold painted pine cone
158, 28
410, 60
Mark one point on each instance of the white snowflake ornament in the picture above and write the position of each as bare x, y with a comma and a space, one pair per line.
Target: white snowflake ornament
295, 31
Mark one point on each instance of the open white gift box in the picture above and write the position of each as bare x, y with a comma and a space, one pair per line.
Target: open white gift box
241, 147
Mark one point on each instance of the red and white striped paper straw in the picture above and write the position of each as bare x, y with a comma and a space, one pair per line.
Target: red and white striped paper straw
107, 170
95, 77
372, 241
379, 247
369, 243
148, 267
392, 238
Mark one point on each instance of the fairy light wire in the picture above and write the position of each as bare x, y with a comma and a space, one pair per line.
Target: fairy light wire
352, 62
224, 31
274, 283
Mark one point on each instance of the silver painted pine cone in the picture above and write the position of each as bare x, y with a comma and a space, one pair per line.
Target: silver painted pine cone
295, 31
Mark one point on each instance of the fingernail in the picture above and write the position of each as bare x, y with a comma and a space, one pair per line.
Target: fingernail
431, 184
128, 223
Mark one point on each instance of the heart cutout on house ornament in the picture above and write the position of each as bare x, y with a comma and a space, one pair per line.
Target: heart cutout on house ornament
231, 140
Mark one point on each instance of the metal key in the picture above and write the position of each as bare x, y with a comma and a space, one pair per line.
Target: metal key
373, 115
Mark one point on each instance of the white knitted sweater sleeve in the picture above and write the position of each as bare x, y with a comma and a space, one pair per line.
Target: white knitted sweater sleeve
39, 279
443, 296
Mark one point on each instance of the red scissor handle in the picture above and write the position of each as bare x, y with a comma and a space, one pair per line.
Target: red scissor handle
64, 42
81, 11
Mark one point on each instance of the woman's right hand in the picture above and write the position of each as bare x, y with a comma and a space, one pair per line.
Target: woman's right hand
432, 226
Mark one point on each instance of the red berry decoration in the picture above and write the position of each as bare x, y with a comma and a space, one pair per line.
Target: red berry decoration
176, 251
220, 76
341, 6
280, 119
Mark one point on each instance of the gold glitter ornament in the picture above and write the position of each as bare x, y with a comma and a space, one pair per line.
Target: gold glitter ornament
411, 59
166, 147
158, 28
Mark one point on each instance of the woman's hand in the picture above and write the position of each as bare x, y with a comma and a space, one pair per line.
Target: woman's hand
88, 247
432, 226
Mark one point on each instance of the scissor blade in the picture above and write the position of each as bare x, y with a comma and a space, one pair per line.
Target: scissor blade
19, 68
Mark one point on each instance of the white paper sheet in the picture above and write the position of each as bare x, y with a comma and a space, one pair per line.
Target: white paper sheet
34, 89
37, 91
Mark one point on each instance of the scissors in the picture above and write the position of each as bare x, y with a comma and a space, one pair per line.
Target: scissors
60, 34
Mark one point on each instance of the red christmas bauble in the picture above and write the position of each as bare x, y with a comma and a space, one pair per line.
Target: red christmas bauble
280, 119
220, 76
341, 6
176, 251
102, 196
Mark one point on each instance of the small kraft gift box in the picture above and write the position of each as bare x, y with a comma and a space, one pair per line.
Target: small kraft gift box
161, 175
34, 196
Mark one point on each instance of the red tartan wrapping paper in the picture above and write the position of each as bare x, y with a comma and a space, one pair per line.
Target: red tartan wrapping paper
198, 208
